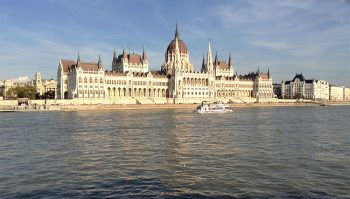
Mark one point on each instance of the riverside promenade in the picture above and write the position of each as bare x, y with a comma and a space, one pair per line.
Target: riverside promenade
178, 106
5, 107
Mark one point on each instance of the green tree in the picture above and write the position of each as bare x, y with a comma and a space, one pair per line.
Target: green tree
27, 91
298, 96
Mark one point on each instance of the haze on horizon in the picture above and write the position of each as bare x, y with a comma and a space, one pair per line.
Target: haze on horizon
312, 37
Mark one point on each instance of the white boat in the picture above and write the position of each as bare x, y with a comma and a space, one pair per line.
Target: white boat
213, 107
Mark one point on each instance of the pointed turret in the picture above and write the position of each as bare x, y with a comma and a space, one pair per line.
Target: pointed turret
125, 56
177, 50
177, 32
78, 59
203, 64
209, 64
115, 60
115, 56
216, 61
229, 60
99, 61
268, 73
144, 55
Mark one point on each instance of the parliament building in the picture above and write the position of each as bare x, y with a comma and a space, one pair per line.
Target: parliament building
130, 81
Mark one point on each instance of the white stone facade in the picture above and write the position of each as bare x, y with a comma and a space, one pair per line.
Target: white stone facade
300, 88
346, 94
44, 85
130, 62
336, 93
8, 84
176, 82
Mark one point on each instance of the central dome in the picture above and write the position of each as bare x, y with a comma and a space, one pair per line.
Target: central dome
177, 57
172, 46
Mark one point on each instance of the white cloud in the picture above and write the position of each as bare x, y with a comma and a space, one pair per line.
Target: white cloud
21, 79
273, 45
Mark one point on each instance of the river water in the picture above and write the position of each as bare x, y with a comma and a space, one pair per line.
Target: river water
275, 152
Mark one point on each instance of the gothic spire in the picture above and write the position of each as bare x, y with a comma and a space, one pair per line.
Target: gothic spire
99, 60
115, 55
209, 64
268, 72
144, 55
177, 32
229, 59
177, 50
216, 58
203, 64
78, 59
124, 53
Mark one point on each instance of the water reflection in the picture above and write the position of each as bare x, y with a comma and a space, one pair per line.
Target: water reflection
270, 152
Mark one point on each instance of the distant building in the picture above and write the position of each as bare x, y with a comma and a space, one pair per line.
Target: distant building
277, 90
176, 82
346, 94
8, 84
44, 85
336, 93
41, 85
2, 90
301, 88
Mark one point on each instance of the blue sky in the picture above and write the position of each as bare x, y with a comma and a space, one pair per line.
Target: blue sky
308, 36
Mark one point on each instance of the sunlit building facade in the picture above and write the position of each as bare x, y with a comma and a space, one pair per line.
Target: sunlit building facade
175, 82
301, 88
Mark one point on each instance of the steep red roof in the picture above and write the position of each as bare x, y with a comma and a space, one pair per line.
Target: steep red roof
264, 76
172, 46
66, 64
89, 66
134, 58
223, 65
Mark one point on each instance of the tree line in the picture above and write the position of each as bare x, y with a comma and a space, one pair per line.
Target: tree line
29, 92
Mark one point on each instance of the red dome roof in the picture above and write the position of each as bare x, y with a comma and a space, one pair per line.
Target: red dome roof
172, 46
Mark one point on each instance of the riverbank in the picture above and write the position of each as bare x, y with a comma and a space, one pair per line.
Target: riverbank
97, 107
177, 106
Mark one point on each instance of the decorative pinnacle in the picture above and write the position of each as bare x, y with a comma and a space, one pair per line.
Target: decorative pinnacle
229, 59
177, 31
78, 59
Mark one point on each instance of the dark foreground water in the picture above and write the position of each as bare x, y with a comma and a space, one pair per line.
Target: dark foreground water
281, 152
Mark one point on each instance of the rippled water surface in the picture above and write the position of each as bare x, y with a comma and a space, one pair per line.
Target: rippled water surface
284, 152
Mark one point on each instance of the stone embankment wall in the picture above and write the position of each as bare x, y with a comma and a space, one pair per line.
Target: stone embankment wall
148, 101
